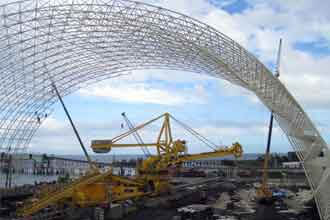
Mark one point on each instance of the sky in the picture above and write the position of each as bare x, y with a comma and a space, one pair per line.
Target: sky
221, 112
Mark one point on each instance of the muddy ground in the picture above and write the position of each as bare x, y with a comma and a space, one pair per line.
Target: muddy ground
232, 201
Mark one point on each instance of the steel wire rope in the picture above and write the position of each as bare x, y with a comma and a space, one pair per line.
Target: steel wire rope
136, 135
200, 137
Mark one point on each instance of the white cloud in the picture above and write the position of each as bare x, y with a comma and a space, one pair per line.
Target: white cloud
141, 76
237, 130
142, 93
259, 28
162, 90
229, 89
51, 124
56, 135
307, 77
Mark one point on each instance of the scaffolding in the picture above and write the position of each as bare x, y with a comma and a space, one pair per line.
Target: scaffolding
86, 41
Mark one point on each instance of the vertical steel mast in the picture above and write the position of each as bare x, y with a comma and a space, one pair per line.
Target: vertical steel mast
264, 190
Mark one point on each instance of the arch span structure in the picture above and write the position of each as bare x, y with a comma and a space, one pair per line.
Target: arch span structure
77, 42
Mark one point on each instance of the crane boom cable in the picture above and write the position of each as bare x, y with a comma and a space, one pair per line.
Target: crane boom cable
136, 135
121, 136
133, 131
196, 134
130, 127
200, 137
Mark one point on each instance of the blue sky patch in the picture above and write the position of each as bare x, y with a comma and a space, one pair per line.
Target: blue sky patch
231, 6
318, 49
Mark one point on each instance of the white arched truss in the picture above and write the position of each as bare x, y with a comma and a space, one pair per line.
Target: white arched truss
77, 42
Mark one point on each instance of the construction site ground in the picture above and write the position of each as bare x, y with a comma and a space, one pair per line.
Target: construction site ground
229, 200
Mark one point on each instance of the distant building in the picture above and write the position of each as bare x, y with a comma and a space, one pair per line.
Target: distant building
292, 165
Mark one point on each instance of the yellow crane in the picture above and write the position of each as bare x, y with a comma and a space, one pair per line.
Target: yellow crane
169, 152
152, 179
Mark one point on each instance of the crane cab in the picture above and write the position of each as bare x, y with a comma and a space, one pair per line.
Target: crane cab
101, 146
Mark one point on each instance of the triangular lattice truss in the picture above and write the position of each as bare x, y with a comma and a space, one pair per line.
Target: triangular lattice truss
79, 42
